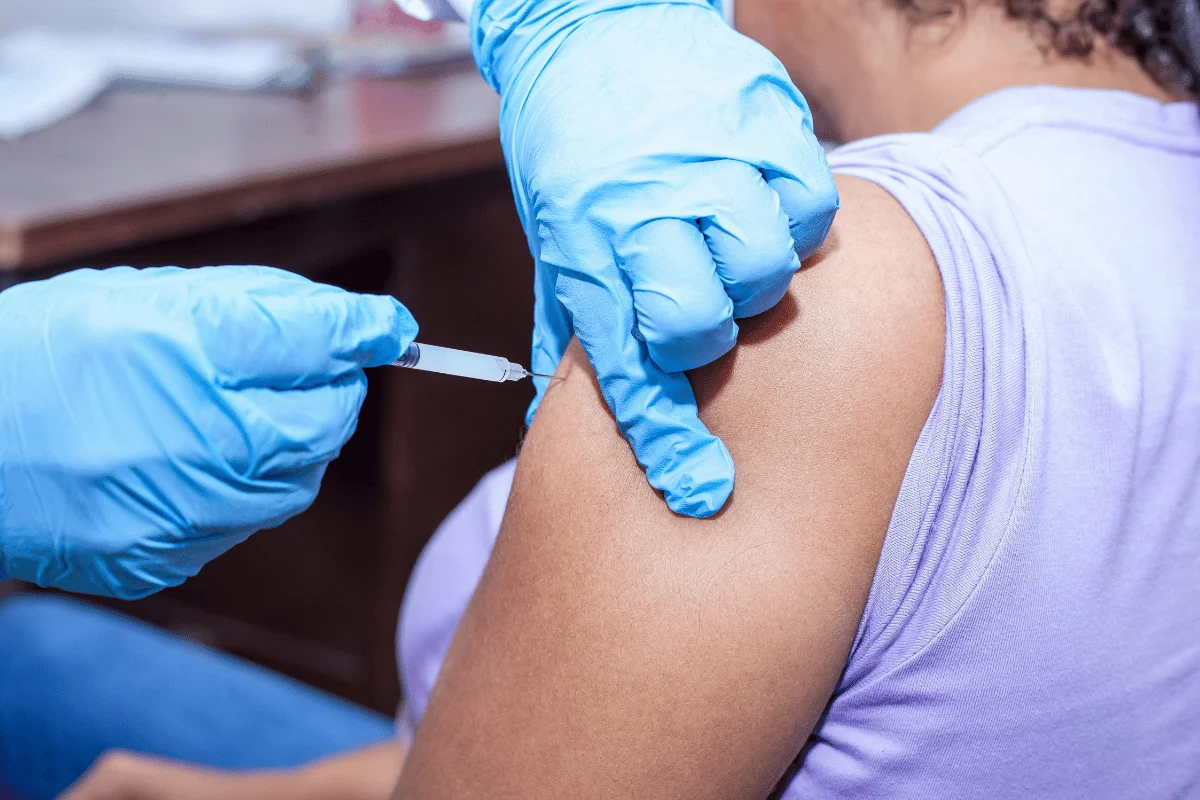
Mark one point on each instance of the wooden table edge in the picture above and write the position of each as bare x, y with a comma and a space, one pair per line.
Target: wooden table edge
55, 239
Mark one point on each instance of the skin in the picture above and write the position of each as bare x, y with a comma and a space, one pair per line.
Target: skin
868, 69
367, 774
614, 649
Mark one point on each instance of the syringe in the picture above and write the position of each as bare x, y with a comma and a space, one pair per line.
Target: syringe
464, 363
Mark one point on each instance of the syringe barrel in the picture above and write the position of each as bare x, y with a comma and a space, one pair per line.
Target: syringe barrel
449, 361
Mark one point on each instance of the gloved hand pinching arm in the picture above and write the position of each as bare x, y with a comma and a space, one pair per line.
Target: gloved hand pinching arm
152, 419
669, 182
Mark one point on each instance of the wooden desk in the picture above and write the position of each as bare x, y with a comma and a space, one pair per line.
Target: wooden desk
141, 165
389, 187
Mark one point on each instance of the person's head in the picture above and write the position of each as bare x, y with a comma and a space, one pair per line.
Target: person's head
878, 66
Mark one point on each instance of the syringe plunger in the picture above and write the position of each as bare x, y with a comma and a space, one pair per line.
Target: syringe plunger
449, 361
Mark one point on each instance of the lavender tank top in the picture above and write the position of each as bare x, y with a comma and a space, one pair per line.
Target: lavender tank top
1033, 629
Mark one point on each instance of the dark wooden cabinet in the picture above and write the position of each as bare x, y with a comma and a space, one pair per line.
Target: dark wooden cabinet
418, 205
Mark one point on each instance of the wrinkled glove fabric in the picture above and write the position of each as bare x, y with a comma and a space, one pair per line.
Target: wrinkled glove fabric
152, 419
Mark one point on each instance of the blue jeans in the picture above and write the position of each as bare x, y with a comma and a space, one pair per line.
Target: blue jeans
76, 680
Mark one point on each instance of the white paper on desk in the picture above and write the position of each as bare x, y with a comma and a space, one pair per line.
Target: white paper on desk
46, 75
302, 16
231, 63
33, 96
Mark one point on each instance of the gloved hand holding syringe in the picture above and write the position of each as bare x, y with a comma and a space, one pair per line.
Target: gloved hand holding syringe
463, 363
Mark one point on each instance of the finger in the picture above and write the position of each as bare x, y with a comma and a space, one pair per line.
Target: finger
749, 237
809, 200
655, 410
782, 146
284, 335
684, 312
167, 538
281, 433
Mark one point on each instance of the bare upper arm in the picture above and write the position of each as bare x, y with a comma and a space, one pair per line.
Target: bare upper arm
615, 649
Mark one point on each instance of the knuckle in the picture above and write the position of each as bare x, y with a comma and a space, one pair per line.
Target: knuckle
811, 218
106, 776
113, 761
687, 319
769, 260
764, 268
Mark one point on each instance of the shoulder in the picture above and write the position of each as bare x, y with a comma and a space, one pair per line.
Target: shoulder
691, 657
828, 390
821, 406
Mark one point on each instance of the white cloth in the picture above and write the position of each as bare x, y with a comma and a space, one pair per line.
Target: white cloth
47, 75
34, 96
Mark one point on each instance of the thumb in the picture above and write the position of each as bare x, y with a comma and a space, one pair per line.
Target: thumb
299, 335
809, 201
655, 410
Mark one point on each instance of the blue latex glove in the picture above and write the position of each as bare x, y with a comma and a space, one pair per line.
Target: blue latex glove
152, 419
669, 182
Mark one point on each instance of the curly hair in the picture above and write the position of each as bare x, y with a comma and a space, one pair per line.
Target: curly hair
1164, 35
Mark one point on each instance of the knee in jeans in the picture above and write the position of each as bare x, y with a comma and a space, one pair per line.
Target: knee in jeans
32, 622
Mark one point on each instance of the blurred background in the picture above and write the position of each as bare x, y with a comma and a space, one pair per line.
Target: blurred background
309, 15
334, 138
